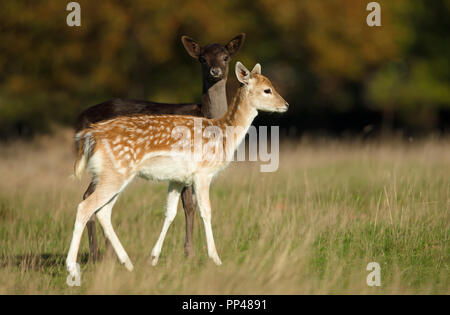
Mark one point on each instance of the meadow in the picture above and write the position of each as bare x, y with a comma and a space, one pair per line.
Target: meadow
309, 228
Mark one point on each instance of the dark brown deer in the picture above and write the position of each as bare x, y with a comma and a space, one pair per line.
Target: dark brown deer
214, 60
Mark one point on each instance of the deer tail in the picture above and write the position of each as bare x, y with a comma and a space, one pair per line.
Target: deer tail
84, 147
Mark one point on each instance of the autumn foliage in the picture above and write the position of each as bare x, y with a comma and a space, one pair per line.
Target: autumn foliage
336, 72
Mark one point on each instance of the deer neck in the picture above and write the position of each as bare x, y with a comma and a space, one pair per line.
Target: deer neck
214, 99
237, 119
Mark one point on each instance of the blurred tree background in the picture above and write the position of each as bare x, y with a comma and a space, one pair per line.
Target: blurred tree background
338, 74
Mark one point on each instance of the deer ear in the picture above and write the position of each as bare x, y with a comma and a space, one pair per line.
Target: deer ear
256, 69
192, 47
233, 45
242, 73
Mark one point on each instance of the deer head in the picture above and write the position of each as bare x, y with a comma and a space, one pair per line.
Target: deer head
260, 89
214, 58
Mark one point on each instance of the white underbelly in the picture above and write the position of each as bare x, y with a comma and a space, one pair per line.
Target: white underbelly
167, 168
174, 168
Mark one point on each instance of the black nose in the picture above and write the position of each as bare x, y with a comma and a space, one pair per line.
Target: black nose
215, 72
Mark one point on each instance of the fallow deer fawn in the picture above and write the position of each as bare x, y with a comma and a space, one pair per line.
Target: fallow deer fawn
214, 60
117, 150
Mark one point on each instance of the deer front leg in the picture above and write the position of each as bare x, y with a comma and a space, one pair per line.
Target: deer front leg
201, 187
189, 205
173, 196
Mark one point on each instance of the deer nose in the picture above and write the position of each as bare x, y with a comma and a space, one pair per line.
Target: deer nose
287, 105
215, 72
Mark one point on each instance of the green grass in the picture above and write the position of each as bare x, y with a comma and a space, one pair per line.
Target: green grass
311, 227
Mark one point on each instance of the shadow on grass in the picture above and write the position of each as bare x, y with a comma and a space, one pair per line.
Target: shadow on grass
39, 261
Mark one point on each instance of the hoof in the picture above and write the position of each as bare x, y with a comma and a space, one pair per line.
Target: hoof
189, 251
128, 265
94, 256
74, 272
217, 260
154, 260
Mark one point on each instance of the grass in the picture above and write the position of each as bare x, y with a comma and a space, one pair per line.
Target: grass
310, 228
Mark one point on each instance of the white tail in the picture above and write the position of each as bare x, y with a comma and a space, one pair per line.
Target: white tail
84, 144
117, 150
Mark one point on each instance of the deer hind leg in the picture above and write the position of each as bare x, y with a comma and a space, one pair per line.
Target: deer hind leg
94, 251
189, 205
92, 231
201, 187
97, 200
104, 217
173, 196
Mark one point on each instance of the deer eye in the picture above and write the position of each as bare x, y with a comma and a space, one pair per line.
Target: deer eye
268, 91
226, 58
